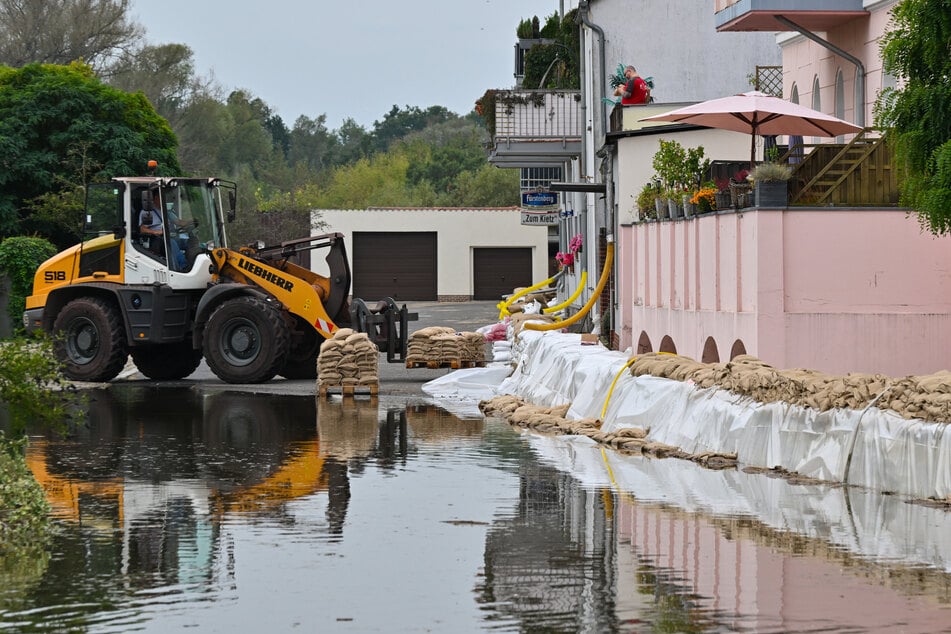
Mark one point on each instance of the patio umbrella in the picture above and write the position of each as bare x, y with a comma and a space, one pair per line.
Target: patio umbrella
757, 113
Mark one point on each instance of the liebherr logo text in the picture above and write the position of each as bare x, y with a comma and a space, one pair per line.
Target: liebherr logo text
256, 270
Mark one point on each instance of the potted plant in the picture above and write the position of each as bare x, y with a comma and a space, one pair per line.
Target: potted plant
706, 199
675, 205
668, 163
646, 207
771, 184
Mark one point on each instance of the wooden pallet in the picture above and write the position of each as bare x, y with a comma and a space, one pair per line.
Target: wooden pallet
349, 391
454, 364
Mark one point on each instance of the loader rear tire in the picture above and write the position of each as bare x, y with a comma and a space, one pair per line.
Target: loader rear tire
89, 340
246, 341
167, 361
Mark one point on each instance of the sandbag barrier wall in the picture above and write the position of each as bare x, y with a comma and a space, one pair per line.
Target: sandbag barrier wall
868, 447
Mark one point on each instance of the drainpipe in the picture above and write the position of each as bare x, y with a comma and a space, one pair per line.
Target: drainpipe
583, 15
860, 75
599, 32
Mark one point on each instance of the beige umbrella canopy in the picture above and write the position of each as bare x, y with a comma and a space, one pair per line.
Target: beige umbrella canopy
757, 113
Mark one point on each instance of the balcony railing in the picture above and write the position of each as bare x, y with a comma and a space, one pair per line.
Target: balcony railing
539, 115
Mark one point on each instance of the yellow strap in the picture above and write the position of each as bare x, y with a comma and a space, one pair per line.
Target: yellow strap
504, 306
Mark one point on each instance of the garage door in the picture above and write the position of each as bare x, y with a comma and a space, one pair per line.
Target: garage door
394, 264
497, 271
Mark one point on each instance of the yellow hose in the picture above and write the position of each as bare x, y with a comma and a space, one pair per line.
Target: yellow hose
503, 306
627, 365
574, 296
605, 274
613, 383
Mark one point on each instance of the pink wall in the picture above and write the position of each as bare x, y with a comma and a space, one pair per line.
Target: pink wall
836, 290
804, 60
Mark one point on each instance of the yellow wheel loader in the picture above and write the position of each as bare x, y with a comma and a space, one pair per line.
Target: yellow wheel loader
172, 296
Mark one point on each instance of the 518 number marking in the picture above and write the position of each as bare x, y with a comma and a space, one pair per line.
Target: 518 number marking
54, 276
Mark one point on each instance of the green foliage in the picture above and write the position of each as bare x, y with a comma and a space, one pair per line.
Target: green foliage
555, 64
61, 128
19, 259
917, 116
645, 201
24, 512
524, 30
668, 163
32, 386
397, 124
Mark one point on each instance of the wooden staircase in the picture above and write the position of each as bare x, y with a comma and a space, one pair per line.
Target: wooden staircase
857, 173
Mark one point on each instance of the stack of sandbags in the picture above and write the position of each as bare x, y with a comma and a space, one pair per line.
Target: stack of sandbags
348, 358
423, 346
441, 345
926, 397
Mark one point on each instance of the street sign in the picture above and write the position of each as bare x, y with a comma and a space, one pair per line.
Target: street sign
539, 217
540, 207
539, 199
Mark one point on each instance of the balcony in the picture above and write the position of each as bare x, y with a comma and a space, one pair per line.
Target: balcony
534, 128
758, 15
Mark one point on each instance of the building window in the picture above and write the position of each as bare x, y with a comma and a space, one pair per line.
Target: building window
839, 100
816, 101
534, 177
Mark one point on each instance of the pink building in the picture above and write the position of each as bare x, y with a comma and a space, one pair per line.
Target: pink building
849, 284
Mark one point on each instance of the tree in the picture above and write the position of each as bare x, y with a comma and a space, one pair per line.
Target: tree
64, 31
917, 49
166, 74
62, 128
397, 124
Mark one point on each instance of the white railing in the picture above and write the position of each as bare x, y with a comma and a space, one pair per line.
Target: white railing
538, 114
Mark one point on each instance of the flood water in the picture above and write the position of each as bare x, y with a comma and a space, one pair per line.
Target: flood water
235, 512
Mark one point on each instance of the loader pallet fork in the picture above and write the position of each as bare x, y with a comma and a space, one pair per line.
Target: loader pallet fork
386, 325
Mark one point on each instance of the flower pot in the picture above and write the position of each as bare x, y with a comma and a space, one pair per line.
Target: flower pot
723, 200
675, 209
690, 209
771, 194
660, 204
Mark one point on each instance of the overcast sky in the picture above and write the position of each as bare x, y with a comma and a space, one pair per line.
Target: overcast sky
348, 59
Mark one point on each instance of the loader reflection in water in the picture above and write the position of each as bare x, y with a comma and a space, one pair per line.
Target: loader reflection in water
154, 476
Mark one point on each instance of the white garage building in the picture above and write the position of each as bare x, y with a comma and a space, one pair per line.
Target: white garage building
438, 254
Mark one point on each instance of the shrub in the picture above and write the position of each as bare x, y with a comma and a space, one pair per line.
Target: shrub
20, 256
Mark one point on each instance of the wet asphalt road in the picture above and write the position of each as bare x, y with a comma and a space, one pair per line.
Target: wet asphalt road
395, 378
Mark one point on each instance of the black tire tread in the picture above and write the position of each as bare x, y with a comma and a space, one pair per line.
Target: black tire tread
108, 366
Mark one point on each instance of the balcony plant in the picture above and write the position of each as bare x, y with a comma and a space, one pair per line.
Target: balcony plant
706, 199
771, 184
646, 207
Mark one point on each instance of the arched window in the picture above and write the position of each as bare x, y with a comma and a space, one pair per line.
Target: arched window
794, 94
737, 349
710, 352
667, 345
839, 100
816, 101
644, 344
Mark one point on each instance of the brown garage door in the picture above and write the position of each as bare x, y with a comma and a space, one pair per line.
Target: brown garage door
394, 264
499, 270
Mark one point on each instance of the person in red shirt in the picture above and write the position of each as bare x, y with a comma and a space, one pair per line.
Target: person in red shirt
635, 91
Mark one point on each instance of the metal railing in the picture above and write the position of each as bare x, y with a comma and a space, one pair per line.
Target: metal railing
538, 114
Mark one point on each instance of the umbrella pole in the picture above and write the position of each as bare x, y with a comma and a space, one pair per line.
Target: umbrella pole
752, 151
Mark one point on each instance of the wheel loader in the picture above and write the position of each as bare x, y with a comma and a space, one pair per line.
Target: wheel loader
171, 299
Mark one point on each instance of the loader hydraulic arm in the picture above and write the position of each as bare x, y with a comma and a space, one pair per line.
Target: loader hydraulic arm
296, 288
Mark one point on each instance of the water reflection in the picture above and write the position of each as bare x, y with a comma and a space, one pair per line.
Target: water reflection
237, 512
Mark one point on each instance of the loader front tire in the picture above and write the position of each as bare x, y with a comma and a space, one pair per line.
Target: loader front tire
246, 341
89, 340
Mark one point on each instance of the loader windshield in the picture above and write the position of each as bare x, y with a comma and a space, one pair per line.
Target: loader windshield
192, 209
